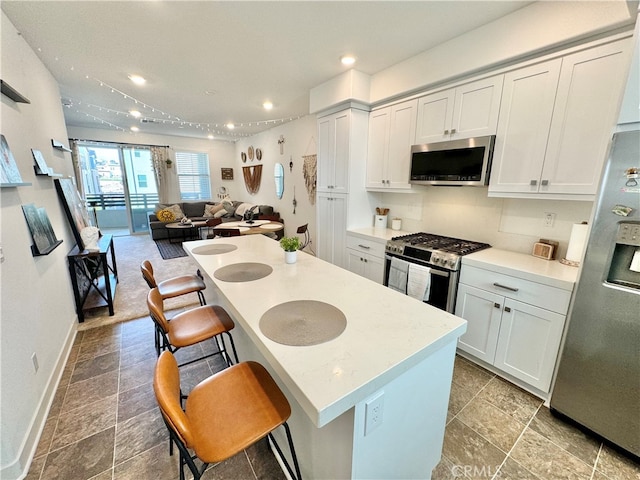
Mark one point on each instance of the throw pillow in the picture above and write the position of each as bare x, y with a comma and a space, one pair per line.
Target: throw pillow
177, 211
243, 207
211, 210
229, 207
165, 216
220, 213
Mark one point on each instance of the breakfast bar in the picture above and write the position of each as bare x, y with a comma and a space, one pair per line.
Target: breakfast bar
367, 370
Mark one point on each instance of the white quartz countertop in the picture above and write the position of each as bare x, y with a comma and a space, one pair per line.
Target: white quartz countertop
548, 272
387, 333
380, 235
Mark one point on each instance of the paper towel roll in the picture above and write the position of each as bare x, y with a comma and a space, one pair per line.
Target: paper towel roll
577, 242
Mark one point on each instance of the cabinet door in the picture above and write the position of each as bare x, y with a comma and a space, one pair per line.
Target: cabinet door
326, 140
523, 127
476, 108
355, 262
378, 147
589, 91
528, 343
333, 152
435, 113
402, 135
482, 310
374, 269
332, 216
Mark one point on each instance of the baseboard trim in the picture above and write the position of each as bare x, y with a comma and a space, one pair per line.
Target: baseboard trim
19, 468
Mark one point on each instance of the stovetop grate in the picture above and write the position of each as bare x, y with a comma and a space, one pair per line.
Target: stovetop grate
442, 243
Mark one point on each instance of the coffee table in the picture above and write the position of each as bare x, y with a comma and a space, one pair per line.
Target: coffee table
190, 231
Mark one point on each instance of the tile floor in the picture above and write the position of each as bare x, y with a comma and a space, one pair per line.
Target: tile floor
104, 424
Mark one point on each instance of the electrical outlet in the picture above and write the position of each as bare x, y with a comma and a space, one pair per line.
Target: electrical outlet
374, 410
549, 219
34, 360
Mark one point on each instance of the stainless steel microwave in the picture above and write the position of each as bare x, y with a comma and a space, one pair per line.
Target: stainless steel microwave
465, 162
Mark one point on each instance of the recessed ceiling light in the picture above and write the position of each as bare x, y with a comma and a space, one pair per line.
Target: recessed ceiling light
137, 79
210, 137
230, 126
135, 113
135, 129
348, 59
267, 105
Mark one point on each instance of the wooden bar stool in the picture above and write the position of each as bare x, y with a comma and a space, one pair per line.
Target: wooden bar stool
175, 286
223, 415
191, 327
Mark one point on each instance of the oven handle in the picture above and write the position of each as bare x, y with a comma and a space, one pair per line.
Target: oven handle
434, 270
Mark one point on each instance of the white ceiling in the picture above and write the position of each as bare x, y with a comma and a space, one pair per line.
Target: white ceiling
243, 53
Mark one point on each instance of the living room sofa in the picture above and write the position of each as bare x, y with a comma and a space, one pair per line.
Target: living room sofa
195, 211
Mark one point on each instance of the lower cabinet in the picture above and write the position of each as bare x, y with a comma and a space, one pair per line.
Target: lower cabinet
514, 324
365, 258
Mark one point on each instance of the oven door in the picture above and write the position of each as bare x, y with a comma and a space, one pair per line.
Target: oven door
444, 283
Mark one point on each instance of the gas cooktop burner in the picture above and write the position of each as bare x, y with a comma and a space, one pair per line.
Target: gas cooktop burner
433, 249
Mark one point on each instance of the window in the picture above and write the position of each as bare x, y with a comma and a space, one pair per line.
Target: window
142, 180
193, 175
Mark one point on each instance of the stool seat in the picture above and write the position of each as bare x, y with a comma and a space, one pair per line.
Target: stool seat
198, 324
223, 414
242, 404
181, 285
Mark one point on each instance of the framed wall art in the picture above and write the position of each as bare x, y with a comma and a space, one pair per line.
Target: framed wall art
42, 234
74, 207
9, 173
226, 173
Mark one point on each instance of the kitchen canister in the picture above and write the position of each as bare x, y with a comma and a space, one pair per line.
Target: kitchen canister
396, 224
380, 221
577, 244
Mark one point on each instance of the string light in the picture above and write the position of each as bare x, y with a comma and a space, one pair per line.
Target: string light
218, 129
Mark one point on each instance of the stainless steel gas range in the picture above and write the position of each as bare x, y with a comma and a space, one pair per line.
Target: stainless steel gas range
439, 256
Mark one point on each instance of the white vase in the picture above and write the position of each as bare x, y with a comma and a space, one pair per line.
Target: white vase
290, 257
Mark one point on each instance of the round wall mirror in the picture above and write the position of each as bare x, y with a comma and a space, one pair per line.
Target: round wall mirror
278, 175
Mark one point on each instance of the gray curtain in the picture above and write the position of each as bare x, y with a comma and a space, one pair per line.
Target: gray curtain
159, 156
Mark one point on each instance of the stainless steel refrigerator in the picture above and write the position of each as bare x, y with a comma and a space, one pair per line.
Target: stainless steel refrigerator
598, 380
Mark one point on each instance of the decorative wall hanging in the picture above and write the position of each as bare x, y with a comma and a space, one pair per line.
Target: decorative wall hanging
290, 163
223, 194
250, 153
42, 235
295, 202
281, 143
226, 173
252, 177
258, 154
243, 157
310, 171
9, 172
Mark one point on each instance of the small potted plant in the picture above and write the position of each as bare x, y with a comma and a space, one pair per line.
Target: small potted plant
290, 245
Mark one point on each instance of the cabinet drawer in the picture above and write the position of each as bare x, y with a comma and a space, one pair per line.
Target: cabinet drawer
537, 294
365, 246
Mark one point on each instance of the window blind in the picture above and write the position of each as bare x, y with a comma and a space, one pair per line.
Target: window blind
193, 175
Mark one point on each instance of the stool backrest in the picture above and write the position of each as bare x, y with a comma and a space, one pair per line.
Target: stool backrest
147, 273
156, 309
166, 386
227, 232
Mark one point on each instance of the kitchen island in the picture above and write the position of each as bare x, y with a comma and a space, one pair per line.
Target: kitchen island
369, 403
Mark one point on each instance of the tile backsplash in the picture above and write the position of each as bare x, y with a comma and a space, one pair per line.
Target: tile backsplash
510, 224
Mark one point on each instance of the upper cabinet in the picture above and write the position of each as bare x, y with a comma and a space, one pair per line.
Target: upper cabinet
469, 110
333, 152
391, 134
556, 121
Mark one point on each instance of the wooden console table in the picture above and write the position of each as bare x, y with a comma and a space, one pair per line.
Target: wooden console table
94, 276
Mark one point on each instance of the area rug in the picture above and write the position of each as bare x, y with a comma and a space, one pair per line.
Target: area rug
170, 250
131, 292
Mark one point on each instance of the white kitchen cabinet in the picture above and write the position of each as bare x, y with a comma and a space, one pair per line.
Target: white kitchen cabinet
470, 110
333, 152
365, 258
555, 124
332, 227
514, 324
391, 134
